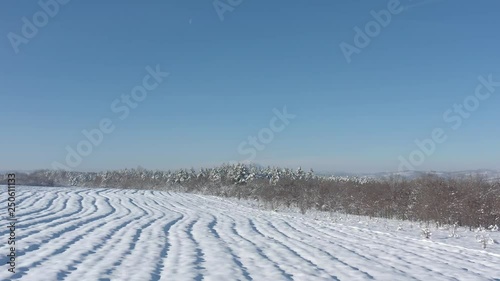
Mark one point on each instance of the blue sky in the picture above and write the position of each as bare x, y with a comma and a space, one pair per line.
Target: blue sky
227, 76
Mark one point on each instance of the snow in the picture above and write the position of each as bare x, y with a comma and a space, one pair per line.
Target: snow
113, 234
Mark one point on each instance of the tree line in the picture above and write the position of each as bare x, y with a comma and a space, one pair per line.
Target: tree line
466, 201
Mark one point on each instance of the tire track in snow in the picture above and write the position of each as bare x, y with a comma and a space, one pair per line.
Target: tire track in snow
275, 271
52, 209
66, 223
350, 250
459, 258
382, 266
236, 259
199, 201
314, 252
25, 198
44, 205
200, 256
217, 249
135, 234
104, 238
159, 267
292, 249
59, 213
322, 273
121, 263
107, 247
417, 260
353, 270
151, 240
90, 225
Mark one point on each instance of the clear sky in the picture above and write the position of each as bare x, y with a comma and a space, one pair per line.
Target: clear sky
228, 73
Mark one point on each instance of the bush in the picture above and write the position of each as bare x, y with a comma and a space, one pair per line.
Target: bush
470, 201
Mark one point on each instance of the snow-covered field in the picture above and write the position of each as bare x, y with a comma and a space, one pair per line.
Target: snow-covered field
111, 234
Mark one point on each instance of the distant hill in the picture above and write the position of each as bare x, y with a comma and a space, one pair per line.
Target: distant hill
488, 174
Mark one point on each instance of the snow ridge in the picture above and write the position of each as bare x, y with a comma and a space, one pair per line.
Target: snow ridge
79, 234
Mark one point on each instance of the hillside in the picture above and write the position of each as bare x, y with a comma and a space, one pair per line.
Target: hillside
113, 234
